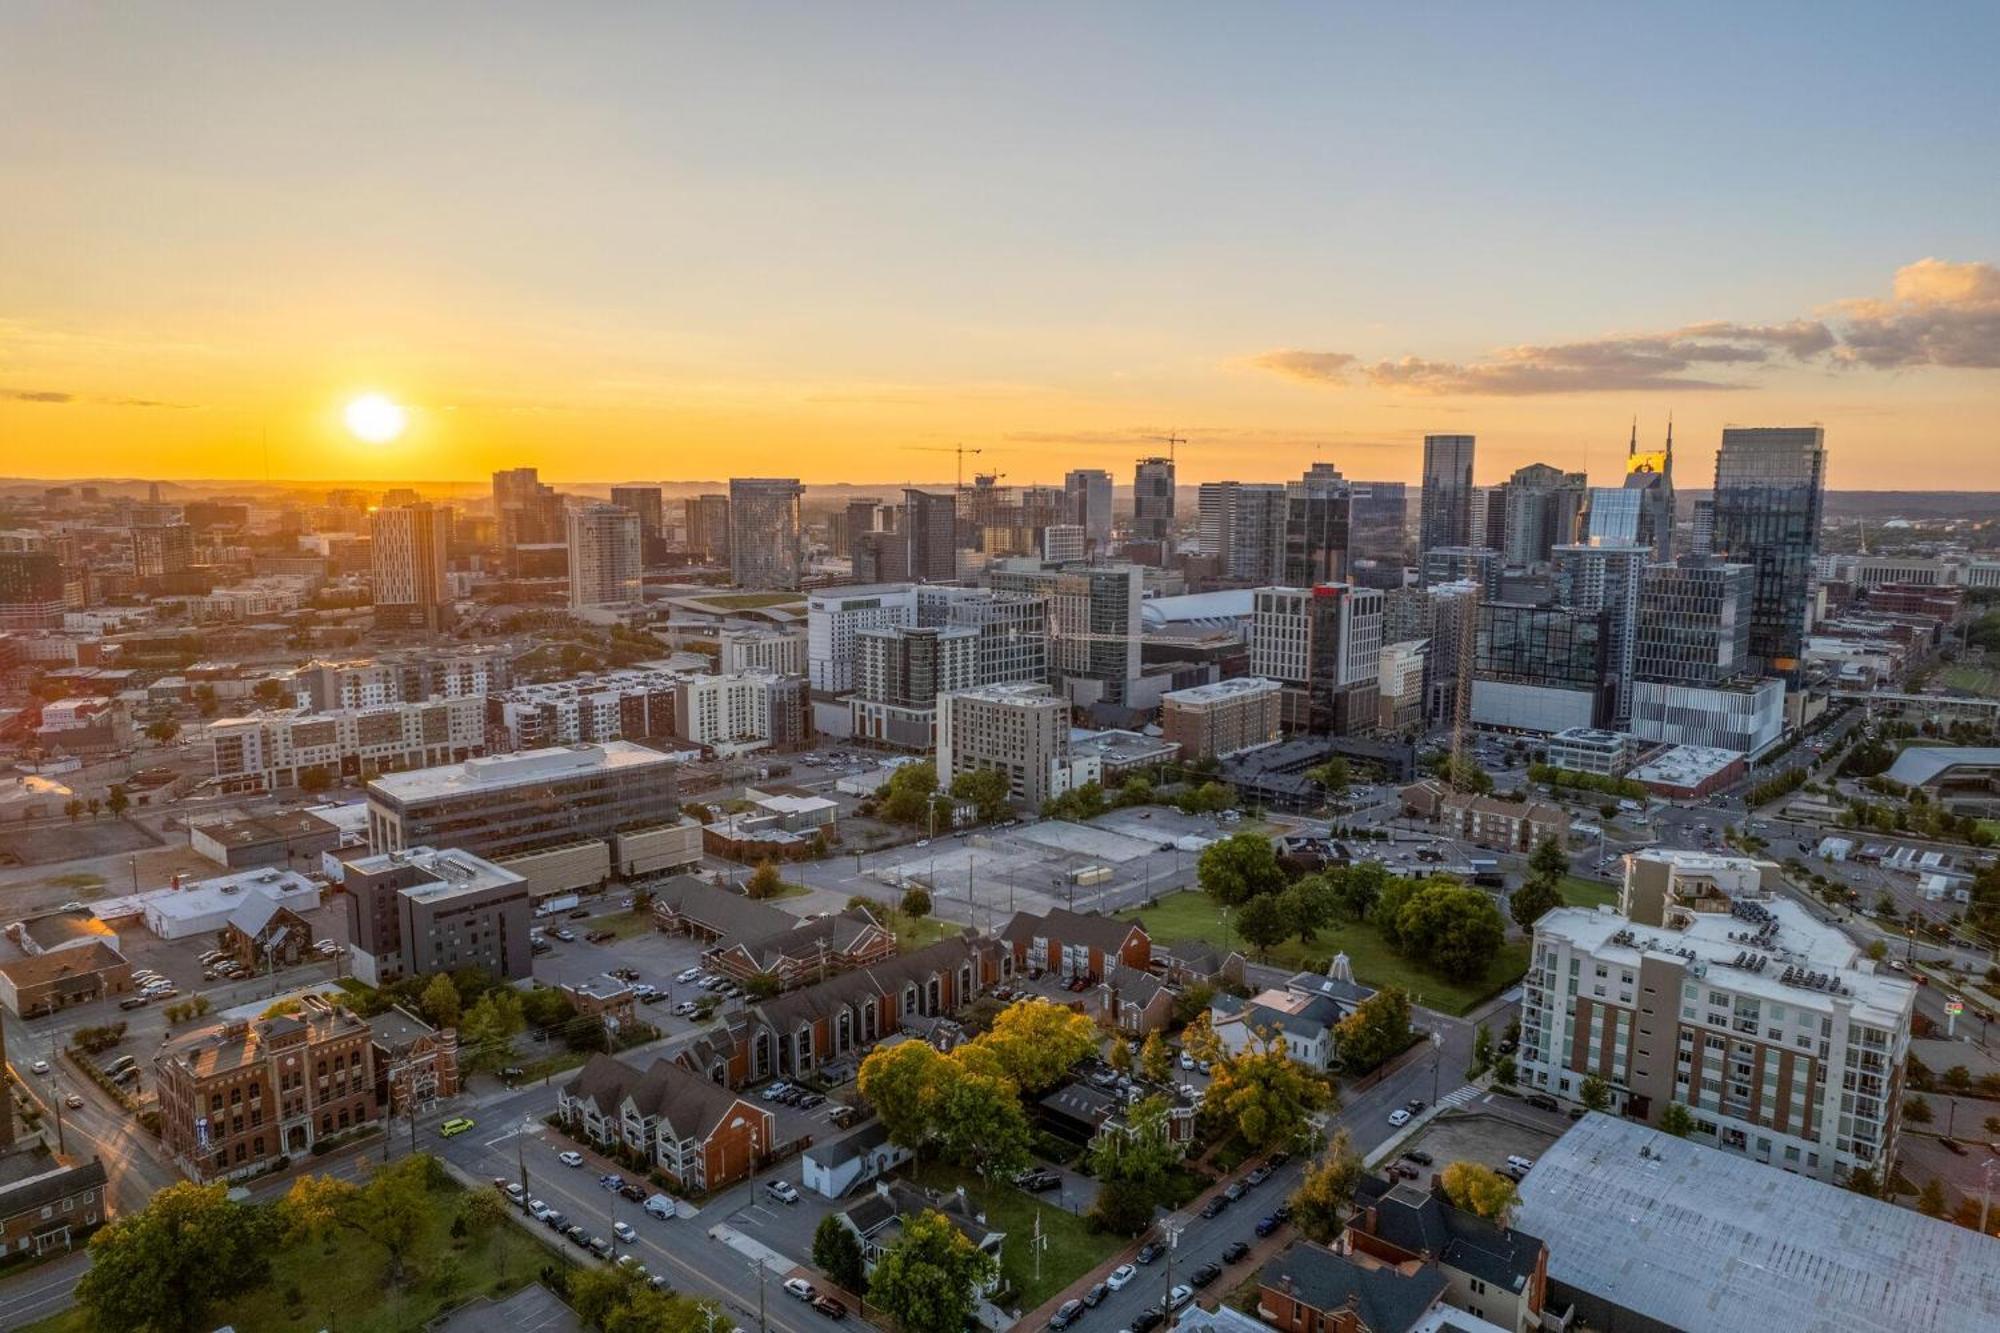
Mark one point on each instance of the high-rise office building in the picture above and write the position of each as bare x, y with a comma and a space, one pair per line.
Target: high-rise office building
1701, 527
930, 536
160, 549
1769, 493
1215, 502
1317, 519
862, 514
1538, 668
646, 503
605, 561
899, 673
1446, 518
1242, 524
707, 520
1608, 579
764, 532
1153, 500
1093, 623
1645, 509
527, 511
1013, 635
1324, 645
1378, 522
1542, 506
407, 549
1694, 621
1088, 491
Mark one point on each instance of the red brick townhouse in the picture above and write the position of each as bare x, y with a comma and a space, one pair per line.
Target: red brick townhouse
843, 1017
1073, 944
704, 1137
804, 952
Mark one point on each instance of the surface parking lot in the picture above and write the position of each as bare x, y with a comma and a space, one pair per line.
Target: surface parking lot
1487, 1132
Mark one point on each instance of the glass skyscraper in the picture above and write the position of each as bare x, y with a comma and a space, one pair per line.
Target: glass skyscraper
1770, 490
1447, 502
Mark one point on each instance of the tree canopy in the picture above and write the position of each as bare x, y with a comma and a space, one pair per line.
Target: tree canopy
1037, 1042
1478, 1189
163, 1268
932, 1276
1263, 1095
1320, 1203
1238, 868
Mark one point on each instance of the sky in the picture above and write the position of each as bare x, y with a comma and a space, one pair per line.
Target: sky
661, 242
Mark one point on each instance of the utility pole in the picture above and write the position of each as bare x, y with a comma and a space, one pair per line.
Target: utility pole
763, 1323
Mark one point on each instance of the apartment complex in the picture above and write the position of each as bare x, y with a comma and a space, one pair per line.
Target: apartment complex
901, 672
401, 678
764, 532
781, 652
501, 805
1711, 990
606, 557
421, 910
276, 749
1219, 719
407, 550
1019, 730
700, 1135
1323, 645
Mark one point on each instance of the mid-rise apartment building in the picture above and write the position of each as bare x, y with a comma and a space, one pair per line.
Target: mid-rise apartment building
1324, 646
1711, 989
276, 749
418, 911
402, 678
902, 671
1019, 730
407, 552
1094, 623
834, 616
727, 713
1222, 718
781, 652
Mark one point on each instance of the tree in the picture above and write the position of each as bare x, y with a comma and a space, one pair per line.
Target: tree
1079, 803
1864, 1181
1548, 861
1036, 1042
1264, 1095
1917, 1111
1119, 1057
163, 731
931, 1277
1357, 887
1930, 1200
986, 789
917, 902
1378, 1028
838, 1254
902, 1083
1334, 775
392, 1207
314, 1206
1992, 1125
1478, 1189
162, 1268
979, 1122
1877, 950
1310, 905
594, 1292
1594, 1093
1455, 928
1469, 777
1504, 1071
1134, 1168
1208, 798
117, 802
1263, 922
93, 805
1238, 868
908, 793
73, 808
1156, 1062
1529, 903
1319, 1205
1677, 1120
270, 692
765, 882
481, 1211
440, 1002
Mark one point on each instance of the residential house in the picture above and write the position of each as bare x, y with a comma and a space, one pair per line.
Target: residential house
877, 1220
701, 1136
46, 1207
832, 1170
1135, 1003
1193, 962
1310, 1289
1304, 1013
261, 934
1076, 944
1487, 821
1495, 1272
804, 951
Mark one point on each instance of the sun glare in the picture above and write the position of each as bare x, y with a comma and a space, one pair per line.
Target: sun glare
375, 419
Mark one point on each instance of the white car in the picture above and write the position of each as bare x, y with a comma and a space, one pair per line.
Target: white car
1399, 1116
1179, 1296
1120, 1276
570, 1158
1187, 1061
799, 1287
623, 1230
40, 1066
687, 975
538, 1210
686, 1007
782, 1191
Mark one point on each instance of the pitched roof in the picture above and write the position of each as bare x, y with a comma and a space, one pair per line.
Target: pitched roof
690, 1104
38, 969
1385, 1299
721, 909
35, 1192
885, 978
1421, 1222
1132, 985
841, 933
1099, 932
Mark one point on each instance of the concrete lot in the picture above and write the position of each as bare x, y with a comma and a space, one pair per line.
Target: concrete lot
1487, 1131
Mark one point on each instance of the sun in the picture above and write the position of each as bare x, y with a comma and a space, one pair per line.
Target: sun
374, 418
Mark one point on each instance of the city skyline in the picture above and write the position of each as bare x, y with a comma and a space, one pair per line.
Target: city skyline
616, 251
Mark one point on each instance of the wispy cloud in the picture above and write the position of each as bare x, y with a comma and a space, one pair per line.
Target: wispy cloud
60, 397
1939, 314
37, 396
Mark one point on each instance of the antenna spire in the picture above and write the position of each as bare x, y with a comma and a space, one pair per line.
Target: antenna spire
1633, 447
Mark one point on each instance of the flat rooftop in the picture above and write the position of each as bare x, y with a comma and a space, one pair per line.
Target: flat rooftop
224, 893
452, 871
259, 829
1119, 744
1685, 765
491, 773
1236, 687
1697, 1238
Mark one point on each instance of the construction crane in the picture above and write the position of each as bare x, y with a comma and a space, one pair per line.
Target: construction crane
1170, 440
1461, 701
958, 449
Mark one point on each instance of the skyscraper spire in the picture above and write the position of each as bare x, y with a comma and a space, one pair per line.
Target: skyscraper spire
1670, 435
1633, 447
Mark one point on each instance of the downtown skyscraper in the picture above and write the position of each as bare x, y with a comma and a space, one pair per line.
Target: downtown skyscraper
764, 532
1770, 492
1446, 519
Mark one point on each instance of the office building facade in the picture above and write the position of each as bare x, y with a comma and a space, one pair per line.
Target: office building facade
645, 501
930, 536
1222, 718
1446, 507
765, 533
424, 910
1021, 731
899, 674
1608, 579
1694, 622
706, 518
1089, 494
1153, 500
1770, 492
1318, 510
1538, 668
1094, 623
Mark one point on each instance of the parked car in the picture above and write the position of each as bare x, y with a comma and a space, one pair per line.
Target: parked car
1150, 1252
578, 1237
538, 1210
570, 1158
135, 1002
1206, 1274
75, 1100
1147, 1320
1257, 1177
1119, 1276
1214, 1207
829, 1306
633, 1190
1419, 1156
1235, 1251
1179, 1296
800, 1288
1066, 1314
1095, 1296
624, 1232
600, 936
577, 913
1038, 1181
1266, 1225
1399, 1116
782, 1190
565, 934
1235, 1190
600, 1247
1542, 1101
512, 1189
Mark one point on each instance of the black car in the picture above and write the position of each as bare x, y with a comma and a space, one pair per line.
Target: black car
1095, 1296
1206, 1274
1146, 1320
578, 1237
633, 1191
829, 1306
1068, 1314
1419, 1156
1284, 1213
1038, 1182
1277, 1159
556, 1222
1543, 1101
1214, 1207
1148, 1253
1235, 1252
578, 913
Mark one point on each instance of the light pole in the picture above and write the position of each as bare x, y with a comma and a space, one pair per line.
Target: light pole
1437, 1059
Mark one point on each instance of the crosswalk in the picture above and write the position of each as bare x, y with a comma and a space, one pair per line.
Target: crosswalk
1458, 1097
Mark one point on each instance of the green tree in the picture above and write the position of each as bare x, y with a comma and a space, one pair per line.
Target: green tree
980, 1121
1917, 1111
1156, 1062
595, 1293
1356, 888
1548, 862
1864, 1181
1037, 1042
440, 1002
1311, 905
1264, 1095
1134, 1168
1079, 803
269, 692
908, 793
1263, 923
1208, 798
902, 1083
314, 1206
117, 802
1529, 903
1594, 1093
1119, 1056
1482, 1051
487, 1030
931, 1277
163, 731
1930, 1200
1470, 777
1136, 791
838, 1254
1334, 775
392, 1207
1238, 868
765, 882
481, 1211
1378, 1028
986, 789
1453, 927
1320, 1203
1677, 1120
916, 902
1478, 1189
1387, 913
163, 1268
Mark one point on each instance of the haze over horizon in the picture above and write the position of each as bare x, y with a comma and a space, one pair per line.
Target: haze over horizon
772, 240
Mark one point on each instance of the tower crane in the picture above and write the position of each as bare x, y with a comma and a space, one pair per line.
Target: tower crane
958, 449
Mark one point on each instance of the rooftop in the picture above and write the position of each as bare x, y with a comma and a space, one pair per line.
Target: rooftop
1128, 746
1696, 1238
1921, 764
1236, 687
499, 772
452, 871
1685, 765
260, 829
225, 893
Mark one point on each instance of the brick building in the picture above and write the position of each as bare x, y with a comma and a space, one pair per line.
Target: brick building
1075, 944
42, 983
702, 1136
416, 1065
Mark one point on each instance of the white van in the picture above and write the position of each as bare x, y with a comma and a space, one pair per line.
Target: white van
660, 1206
1521, 1164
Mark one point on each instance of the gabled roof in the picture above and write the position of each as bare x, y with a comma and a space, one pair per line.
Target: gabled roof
692, 1106
720, 909
1385, 1299
841, 933
1099, 932
254, 913
788, 1011
1422, 1223
1132, 985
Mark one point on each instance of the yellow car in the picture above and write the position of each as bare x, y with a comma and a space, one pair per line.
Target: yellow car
456, 1125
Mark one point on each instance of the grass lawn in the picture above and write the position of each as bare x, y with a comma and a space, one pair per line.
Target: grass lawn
344, 1281
1972, 680
1193, 915
624, 924
1579, 892
918, 932
1072, 1248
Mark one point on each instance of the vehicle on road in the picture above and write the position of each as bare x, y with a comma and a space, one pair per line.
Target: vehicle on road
1542, 1101
578, 1237
455, 1126
1038, 1181
1266, 1225
660, 1206
1399, 1116
632, 1190
1235, 1251
1257, 1177
1066, 1314
1149, 1253
624, 1232
1420, 1157
1146, 1320
1214, 1207
1235, 1191
782, 1191
1119, 1276
571, 1159
1179, 1296
600, 1247
538, 1210
1095, 1296
40, 1066
565, 934
829, 1306
1206, 1274
555, 1221
512, 1189
75, 1100
800, 1288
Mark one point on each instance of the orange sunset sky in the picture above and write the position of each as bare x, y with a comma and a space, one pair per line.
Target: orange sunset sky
662, 243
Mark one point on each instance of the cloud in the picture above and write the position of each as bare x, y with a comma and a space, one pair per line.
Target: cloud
1939, 313
37, 396
1312, 367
